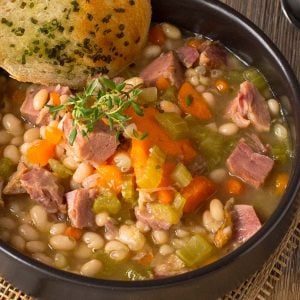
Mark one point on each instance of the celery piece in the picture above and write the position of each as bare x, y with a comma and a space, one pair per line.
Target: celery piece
170, 94
181, 175
175, 126
165, 213
196, 250
179, 202
107, 201
281, 152
234, 77
59, 169
124, 214
127, 189
7, 168
153, 171
254, 76
148, 95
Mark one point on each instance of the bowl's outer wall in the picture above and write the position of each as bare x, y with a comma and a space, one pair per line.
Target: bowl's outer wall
217, 22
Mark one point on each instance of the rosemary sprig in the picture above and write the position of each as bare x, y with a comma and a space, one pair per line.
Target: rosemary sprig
105, 100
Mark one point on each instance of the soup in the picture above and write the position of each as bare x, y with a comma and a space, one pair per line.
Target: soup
162, 170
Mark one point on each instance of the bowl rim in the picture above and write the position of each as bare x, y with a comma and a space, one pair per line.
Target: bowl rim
287, 200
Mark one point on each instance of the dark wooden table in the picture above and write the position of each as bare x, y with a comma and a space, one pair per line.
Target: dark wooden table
267, 15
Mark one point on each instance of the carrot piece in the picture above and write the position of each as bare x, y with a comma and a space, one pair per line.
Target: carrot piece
146, 260
222, 85
73, 232
194, 43
197, 192
162, 83
281, 183
192, 102
234, 186
168, 168
53, 135
40, 152
158, 136
165, 196
110, 177
55, 98
157, 35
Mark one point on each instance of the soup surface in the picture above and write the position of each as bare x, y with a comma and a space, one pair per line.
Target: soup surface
154, 173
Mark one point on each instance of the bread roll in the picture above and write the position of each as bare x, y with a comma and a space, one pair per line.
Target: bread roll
58, 41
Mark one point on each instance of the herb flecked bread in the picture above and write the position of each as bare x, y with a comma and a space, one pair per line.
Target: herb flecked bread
66, 42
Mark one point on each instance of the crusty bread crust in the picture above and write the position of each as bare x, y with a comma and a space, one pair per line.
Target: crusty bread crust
66, 42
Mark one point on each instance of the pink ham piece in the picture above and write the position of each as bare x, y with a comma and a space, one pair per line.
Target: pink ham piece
250, 166
187, 55
39, 117
249, 106
167, 66
246, 222
96, 148
43, 187
212, 55
80, 203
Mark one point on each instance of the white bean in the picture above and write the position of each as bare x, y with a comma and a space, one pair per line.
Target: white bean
142, 227
13, 153
160, 237
93, 240
43, 258
123, 161
70, 163
171, 31
5, 137
91, 268
228, 231
116, 250
84, 170
7, 223
132, 237
4, 235
178, 243
12, 124
280, 131
39, 217
24, 148
18, 242
62, 242
35, 246
181, 233
228, 129
165, 250
17, 141
190, 73
209, 223
216, 210
28, 232
31, 135
40, 99
209, 99
194, 80
101, 218
152, 51
204, 80
201, 70
212, 126
200, 88
274, 107
58, 228
83, 251
168, 106
60, 260
218, 175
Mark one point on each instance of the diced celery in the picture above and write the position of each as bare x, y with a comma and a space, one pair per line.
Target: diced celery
175, 126
234, 77
124, 214
108, 202
196, 250
165, 212
59, 169
181, 175
281, 152
254, 76
127, 189
178, 203
170, 94
7, 168
153, 169
148, 95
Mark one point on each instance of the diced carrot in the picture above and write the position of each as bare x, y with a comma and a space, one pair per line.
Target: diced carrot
40, 152
55, 98
234, 186
194, 43
222, 85
146, 260
110, 177
281, 183
165, 196
157, 35
53, 135
168, 168
158, 136
197, 192
162, 83
192, 102
73, 232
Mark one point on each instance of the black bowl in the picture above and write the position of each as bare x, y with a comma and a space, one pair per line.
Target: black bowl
216, 21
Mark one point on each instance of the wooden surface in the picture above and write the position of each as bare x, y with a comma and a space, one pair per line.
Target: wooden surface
267, 15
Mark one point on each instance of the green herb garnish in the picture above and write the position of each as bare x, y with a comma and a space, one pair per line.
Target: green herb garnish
189, 100
104, 100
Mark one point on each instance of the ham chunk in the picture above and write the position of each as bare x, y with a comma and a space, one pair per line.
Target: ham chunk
246, 222
250, 166
167, 66
97, 148
14, 185
249, 107
39, 117
171, 266
80, 207
212, 55
187, 55
43, 187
